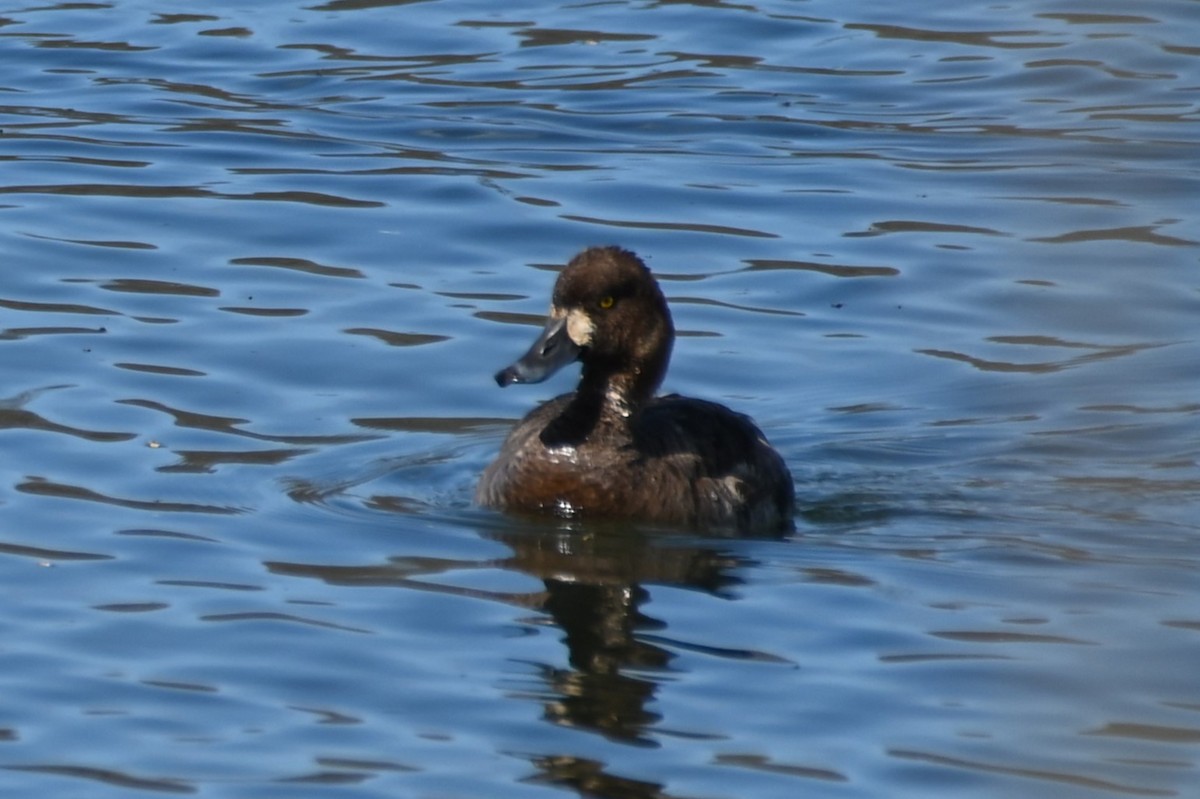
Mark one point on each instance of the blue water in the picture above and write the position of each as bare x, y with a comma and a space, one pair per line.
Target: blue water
260, 260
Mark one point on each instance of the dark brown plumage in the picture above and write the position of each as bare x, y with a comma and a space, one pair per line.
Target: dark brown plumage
611, 449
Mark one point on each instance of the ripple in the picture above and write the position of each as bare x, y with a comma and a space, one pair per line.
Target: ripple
58, 307
1148, 732
132, 607
970, 38
229, 425
1097, 65
1147, 234
143, 286
315, 198
711, 303
168, 534
210, 584
754, 655
449, 425
394, 339
208, 461
45, 488
554, 37
17, 334
1008, 637
835, 270
13, 416
44, 554
158, 369
908, 226
1086, 18
175, 685
1098, 352
1040, 775
373, 766
118, 245
270, 313
118, 779
176, 19
689, 227
762, 763
300, 265
328, 716
274, 616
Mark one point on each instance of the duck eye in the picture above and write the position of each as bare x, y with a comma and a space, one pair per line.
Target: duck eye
606, 302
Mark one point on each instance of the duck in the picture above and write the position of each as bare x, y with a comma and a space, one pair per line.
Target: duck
613, 449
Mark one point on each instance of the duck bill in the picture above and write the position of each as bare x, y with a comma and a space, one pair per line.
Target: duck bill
552, 351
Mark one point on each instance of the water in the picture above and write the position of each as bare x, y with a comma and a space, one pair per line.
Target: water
260, 261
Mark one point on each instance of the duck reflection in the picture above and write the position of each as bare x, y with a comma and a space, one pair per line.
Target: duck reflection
594, 587
595, 694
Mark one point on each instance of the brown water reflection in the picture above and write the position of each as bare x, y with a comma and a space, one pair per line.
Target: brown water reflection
42, 487
116, 779
1039, 775
14, 415
1098, 352
967, 37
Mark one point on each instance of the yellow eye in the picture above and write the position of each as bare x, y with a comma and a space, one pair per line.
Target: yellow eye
606, 302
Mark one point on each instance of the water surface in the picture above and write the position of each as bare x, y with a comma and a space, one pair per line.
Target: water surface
260, 261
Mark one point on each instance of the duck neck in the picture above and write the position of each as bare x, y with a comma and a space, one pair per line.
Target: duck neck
602, 399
